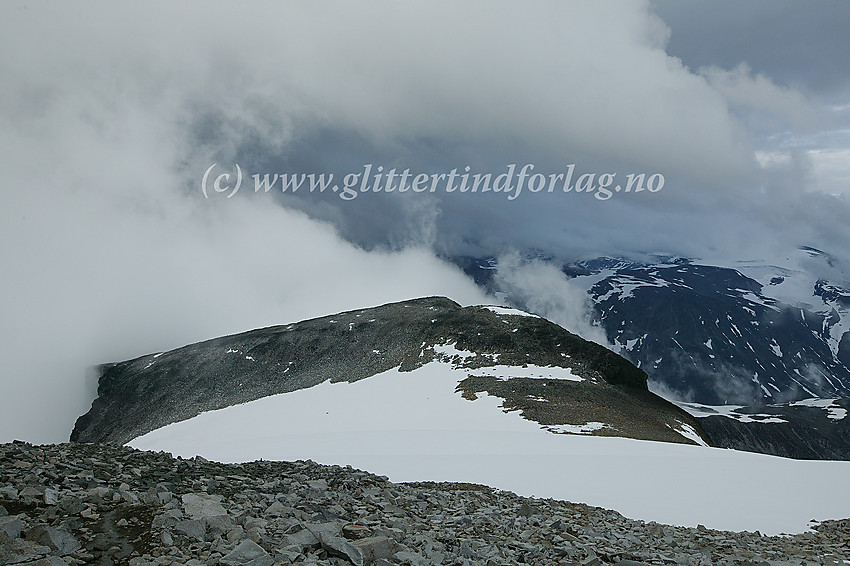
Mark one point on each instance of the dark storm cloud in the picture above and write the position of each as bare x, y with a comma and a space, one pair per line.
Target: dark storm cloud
801, 44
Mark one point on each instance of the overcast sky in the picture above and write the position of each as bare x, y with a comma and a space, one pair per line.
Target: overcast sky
111, 113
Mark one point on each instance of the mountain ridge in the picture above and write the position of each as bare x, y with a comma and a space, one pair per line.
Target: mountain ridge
149, 392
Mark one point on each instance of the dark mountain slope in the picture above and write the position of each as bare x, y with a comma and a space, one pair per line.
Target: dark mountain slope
141, 395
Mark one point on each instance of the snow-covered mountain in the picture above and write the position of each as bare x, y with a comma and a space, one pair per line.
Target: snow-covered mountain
748, 332
427, 390
722, 335
554, 378
412, 426
753, 336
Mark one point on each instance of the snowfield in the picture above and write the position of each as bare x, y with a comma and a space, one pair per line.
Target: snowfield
509, 311
413, 426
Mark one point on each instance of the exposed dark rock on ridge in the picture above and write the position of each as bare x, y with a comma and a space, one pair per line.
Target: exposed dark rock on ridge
141, 395
788, 430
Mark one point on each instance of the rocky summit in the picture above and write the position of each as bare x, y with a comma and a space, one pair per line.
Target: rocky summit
102, 504
145, 394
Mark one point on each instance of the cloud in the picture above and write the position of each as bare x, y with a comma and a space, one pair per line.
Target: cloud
113, 111
109, 251
763, 102
543, 289
796, 44
97, 277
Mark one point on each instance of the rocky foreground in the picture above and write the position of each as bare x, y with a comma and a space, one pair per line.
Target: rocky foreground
102, 504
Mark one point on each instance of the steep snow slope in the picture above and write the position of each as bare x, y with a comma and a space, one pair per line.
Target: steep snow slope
415, 426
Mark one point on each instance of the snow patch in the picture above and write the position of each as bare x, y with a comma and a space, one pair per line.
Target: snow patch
510, 312
585, 428
529, 372
729, 411
689, 432
834, 412
424, 431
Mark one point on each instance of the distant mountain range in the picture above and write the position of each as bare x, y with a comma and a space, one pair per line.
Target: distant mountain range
750, 334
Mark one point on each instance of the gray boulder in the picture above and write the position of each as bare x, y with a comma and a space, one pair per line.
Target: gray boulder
202, 505
60, 541
247, 553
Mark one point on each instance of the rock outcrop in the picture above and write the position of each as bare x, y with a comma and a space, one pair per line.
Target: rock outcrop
141, 395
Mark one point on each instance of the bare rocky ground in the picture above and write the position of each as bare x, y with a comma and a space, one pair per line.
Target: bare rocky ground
104, 504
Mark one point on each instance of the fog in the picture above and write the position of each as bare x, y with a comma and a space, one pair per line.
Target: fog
110, 114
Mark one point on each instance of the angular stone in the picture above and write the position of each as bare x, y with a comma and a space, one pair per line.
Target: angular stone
338, 546
21, 550
202, 505
411, 558
247, 553
353, 532
11, 526
219, 524
9, 492
48, 561
324, 529
525, 510
192, 528
60, 541
374, 548
303, 539
321, 485
51, 496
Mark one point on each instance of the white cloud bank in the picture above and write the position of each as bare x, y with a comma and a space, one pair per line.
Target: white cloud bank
111, 112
